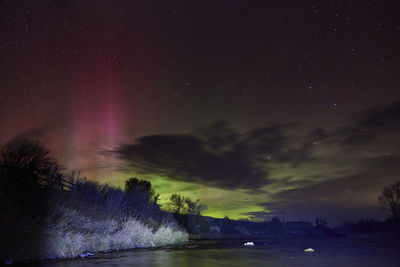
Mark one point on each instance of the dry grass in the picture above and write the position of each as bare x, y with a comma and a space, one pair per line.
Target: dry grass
66, 233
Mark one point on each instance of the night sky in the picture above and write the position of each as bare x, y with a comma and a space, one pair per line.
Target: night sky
258, 108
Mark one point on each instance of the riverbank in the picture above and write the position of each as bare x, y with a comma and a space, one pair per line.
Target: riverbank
68, 233
215, 228
47, 222
278, 252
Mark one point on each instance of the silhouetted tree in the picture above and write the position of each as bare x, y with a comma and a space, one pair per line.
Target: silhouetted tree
29, 177
155, 200
141, 186
389, 199
25, 161
134, 184
131, 184
177, 202
194, 208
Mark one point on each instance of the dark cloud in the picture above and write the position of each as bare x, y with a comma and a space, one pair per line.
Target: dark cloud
271, 142
387, 117
218, 135
364, 127
186, 158
217, 156
373, 124
36, 133
302, 176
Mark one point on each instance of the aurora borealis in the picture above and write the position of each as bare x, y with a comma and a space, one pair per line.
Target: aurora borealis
258, 108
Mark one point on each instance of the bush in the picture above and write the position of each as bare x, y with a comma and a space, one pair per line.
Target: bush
47, 215
69, 232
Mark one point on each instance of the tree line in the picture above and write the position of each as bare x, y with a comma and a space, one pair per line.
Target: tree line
30, 176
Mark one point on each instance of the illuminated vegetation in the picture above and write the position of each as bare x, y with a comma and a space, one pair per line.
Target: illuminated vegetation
50, 215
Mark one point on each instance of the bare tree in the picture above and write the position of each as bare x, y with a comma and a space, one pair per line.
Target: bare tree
177, 202
27, 161
389, 199
194, 208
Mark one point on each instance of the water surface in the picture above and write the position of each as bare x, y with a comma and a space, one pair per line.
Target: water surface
271, 252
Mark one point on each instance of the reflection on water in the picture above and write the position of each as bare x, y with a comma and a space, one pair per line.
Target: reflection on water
285, 252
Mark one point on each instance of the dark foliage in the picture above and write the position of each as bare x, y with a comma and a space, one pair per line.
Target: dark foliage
28, 177
177, 203
135, 185
114, 200
364, 226
27, 162
186, 211
32, 188
389, 199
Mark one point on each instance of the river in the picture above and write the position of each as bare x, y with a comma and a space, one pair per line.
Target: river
271, 252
